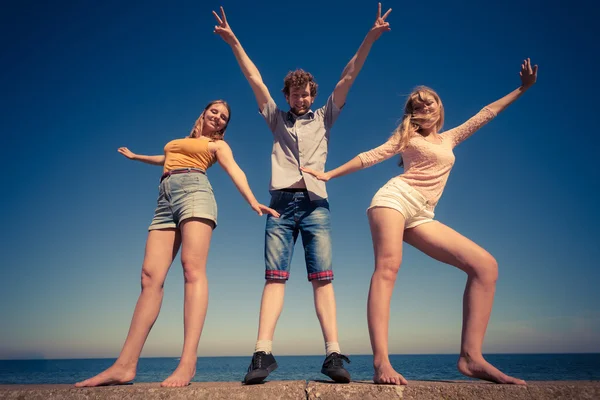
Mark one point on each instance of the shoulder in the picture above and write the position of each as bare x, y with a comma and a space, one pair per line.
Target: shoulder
219, 145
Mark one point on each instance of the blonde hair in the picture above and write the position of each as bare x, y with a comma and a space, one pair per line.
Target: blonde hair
412, 122
199, 124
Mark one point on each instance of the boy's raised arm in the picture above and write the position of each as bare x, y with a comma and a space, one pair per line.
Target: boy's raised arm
261, 92
356, 63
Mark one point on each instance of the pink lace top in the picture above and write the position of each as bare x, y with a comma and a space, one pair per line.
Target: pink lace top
427, 165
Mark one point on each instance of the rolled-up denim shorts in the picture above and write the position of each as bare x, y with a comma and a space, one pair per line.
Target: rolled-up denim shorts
182, 196
400, 196
299, 216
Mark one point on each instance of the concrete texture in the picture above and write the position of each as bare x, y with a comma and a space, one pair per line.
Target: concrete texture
312, 390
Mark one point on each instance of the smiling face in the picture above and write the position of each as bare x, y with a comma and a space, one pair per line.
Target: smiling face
300, 99
216, 118
300, 90
213, 121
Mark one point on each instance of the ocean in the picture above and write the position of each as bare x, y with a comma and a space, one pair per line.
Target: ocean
532, 367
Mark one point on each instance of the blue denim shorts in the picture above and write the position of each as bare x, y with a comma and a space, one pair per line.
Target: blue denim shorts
299, 216
183, 196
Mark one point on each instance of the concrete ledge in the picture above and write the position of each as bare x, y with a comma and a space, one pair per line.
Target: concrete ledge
312, 390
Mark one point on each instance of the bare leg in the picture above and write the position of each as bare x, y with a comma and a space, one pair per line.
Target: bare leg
196, 234
326, 310
161, 248
446, 245
387, 227
270, 308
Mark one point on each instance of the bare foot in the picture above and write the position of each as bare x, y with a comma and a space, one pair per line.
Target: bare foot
481, 369
386, 375
115, 375
182, 376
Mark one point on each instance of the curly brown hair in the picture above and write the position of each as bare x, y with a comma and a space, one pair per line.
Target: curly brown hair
199, 124
298, 79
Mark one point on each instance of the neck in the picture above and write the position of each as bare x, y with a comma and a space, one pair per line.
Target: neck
427, 131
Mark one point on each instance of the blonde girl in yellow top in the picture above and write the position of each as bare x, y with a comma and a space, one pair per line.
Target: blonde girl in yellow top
185, 216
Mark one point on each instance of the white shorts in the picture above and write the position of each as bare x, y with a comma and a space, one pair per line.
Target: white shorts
400, 196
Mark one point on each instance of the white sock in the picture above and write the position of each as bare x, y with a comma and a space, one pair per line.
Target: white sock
332, 347
264, 345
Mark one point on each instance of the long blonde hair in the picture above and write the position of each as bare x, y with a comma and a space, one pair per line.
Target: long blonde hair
199, 124
411, 122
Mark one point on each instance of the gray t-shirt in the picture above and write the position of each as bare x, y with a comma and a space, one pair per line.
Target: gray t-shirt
299, 141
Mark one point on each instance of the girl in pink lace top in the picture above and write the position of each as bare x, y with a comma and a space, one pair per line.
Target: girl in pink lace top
402, 210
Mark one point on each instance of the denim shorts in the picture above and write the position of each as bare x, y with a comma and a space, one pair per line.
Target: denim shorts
402, 197
183, 196
299, 216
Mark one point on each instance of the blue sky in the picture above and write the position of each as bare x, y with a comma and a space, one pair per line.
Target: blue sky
81, 79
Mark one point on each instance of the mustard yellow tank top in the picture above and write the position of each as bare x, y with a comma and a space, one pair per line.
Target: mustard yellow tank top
188, 153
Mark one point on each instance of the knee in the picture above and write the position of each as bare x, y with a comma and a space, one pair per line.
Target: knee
387, 267
486, 269
150, 280
192, 271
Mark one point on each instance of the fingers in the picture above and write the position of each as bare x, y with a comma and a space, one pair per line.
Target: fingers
386, 13
268, 210
378, 10
273, 212
535, 68
217, 18
223, 13
309, 171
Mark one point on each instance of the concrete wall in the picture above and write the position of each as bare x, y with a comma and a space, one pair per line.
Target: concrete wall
312, 390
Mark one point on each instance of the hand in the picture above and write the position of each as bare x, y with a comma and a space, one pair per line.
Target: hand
127, 153
261, 209
223, 28
528, 74
322, 176
380, 25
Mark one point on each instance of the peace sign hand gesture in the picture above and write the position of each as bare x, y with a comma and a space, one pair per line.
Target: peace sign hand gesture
223, 28
528, 74
380, 24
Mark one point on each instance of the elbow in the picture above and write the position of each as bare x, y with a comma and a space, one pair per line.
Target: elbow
346, 80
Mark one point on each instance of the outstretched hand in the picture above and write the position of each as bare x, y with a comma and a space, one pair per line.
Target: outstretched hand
262, 209
322, 176
380, 24
528, 74
126, 152
223, 28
